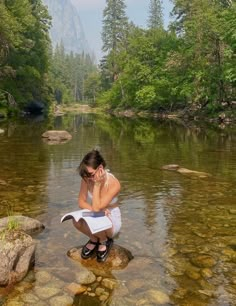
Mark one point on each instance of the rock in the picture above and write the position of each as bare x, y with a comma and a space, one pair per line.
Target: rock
171, 167
99, 291
136, 284
203, 261
2, 131
61, 300
43, 277
29, 298
192, 172
179, 293
46, 292
185, 171
104, 297
26, 224
16, 256
2, 182
109, 283
85, 277
118, 259
206, 273
56, 137
206, 292
157, 297
191, 273
75, 288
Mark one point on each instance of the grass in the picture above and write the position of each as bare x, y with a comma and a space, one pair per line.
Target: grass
12, 224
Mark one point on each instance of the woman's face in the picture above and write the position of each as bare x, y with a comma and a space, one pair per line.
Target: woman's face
93, 173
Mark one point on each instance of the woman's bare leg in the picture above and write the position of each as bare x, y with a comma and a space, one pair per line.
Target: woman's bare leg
102, 236
82, 226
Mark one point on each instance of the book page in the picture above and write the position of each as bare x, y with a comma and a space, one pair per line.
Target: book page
95, 224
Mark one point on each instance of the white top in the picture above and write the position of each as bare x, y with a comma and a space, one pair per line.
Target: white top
114, 200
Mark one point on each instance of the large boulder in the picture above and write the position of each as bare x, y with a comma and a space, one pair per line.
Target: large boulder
26, 224
118, 259
56, 137
17, 251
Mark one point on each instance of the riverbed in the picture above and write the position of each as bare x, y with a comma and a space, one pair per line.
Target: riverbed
180, 228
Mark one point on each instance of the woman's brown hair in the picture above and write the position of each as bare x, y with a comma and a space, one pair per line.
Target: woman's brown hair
92, 159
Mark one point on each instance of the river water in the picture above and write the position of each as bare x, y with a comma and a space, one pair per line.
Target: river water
179, 227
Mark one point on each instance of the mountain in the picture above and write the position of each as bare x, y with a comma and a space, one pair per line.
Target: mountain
66, 26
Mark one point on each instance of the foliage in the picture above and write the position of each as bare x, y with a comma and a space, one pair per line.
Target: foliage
69, 75
115, 25
114, 35
155, 19
191, 65
24, 63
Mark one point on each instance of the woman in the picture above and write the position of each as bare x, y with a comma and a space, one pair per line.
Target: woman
98, 192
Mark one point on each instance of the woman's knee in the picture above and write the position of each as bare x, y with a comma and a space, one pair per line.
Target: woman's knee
78, 224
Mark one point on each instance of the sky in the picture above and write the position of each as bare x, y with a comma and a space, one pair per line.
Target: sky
91, 15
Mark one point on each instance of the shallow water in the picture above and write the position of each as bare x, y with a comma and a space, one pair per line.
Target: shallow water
179, 228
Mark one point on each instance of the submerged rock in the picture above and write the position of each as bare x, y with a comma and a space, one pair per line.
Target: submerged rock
203, 261
56, 137
85, 277
75, 288
118, 258
3, 182
185, 171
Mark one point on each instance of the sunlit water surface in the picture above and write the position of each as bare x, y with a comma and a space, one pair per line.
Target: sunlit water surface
169, 219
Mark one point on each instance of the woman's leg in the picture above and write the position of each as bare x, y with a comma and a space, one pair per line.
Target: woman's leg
82, 227
103, 236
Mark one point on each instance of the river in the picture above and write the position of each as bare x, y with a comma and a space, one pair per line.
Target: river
180, 228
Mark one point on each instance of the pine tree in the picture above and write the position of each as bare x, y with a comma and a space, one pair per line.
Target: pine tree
115, 25
114, 34
155, 19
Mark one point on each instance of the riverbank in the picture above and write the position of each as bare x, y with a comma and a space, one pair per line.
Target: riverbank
225, 116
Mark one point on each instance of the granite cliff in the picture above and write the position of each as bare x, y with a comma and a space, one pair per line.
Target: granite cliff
66, 26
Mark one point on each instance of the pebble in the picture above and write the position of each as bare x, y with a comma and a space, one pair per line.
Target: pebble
85, 277
157, 297
203, 261
61, 300
75, 288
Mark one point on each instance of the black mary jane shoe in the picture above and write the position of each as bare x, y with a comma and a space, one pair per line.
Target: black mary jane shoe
86, 252
102, 255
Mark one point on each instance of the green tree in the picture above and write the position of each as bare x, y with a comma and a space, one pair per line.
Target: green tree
199, 24
115, 25
114, 33
27, 55
155, 19
69, 74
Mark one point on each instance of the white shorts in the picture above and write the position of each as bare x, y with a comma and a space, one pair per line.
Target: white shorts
115, 217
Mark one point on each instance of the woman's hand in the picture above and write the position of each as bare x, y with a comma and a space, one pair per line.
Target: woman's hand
99, 176
107, 212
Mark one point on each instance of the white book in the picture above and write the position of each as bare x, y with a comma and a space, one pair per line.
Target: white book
97, 221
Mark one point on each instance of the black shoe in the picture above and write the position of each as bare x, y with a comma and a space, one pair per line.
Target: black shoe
87, 253
102, 255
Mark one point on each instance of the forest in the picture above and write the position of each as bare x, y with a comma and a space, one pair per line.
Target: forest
189, 66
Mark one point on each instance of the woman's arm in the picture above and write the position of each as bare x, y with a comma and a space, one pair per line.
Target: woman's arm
101, 202
82, 199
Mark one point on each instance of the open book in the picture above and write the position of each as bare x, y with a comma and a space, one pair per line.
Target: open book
97, 221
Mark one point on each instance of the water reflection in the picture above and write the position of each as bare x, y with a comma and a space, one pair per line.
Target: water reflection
181, 230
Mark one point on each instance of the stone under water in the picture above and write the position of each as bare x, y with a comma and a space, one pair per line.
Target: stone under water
118, 259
